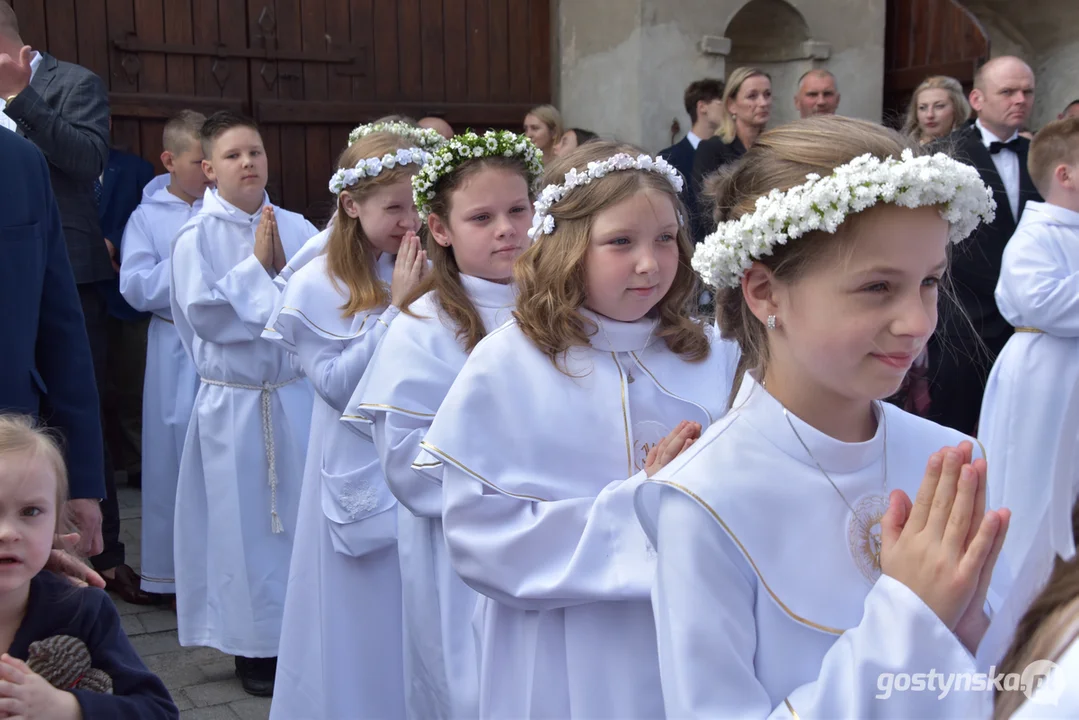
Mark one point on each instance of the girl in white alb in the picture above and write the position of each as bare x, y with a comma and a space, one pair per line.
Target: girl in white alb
795, 576
341, 634
554, 421
477, 226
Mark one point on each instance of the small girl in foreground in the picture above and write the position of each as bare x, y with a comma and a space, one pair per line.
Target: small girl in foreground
793, 569
36, 605
555, 419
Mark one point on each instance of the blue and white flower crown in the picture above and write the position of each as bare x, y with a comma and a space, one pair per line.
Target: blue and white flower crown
543, 221
425, 138
469, 146
824, 203
371, 167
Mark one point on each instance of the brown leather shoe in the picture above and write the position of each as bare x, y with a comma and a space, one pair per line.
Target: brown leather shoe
125, 583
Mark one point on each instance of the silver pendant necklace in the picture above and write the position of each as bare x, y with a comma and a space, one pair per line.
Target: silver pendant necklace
629, 370
863, 528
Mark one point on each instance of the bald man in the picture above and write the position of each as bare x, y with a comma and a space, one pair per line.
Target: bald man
817, 94
438, 125
961, 353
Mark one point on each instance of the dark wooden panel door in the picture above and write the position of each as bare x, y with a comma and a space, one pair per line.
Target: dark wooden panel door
307, 70
924, 38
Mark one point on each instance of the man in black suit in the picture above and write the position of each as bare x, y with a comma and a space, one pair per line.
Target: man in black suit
704, 103
969, 337
46, 368
64, 110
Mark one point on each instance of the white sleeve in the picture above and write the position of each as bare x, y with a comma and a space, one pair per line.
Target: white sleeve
231, 309
144, 277
335, 367
1039, 285
705, 603
397, 437
534, 554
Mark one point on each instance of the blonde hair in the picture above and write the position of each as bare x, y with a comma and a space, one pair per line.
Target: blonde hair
781, 159
549, 116
727, 127
1048, 627
960, 106
1055, 144
182, 131
445, 275
21, 434
550, 275
350, 258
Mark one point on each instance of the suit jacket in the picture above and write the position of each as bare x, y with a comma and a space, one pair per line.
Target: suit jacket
975, 266
46, 352
712, 154
65, 112
680, 155
121, 192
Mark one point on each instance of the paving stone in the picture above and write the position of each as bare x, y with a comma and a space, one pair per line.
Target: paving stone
158, 620
177, 678
132, 625
252, 708
216, 693
155, 644
183, 657
221, 712
181, 701
219, 670
125, 608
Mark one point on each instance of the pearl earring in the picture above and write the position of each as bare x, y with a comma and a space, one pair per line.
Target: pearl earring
771, 322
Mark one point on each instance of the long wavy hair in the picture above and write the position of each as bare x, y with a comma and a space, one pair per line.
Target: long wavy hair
960, 106
350, 258
550, 275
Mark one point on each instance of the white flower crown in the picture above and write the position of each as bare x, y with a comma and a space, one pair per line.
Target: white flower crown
370, 167
824, 203
469, 146
543, 221
425, 138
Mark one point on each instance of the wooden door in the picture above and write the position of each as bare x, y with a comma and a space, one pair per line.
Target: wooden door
307, 70
925, 38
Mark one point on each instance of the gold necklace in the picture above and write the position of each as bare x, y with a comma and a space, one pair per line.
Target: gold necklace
863, 528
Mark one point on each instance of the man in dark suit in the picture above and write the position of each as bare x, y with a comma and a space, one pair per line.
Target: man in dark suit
704, 103
46, 368
970, 336
64, 110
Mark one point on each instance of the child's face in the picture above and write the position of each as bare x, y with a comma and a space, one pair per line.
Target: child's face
632, 256
387, 215
27, 518
186, 169
853, 324
238, 166
490, 215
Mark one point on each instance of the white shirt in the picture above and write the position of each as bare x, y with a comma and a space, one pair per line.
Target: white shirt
4, 119
1007, 164
693, 139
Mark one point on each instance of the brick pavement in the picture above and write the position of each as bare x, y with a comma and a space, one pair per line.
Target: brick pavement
202, 680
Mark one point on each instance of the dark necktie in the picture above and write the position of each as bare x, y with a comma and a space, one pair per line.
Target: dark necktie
1013, 145
97, 192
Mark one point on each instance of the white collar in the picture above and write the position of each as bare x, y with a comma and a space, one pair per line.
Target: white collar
1062, 215
765, 413
693, 139
35, 62
988, 137
615, 336
230, 211
484, 293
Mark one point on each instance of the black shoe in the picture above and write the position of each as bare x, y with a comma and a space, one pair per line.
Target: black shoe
256, 675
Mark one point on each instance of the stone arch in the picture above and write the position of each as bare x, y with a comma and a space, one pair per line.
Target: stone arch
775, 37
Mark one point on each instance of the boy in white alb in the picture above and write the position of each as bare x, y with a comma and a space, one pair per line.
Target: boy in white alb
168, 202
243, 458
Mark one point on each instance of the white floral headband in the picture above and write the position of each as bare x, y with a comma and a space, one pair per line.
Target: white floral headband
470, 146
425, 138
370, 167
543, 221
824, 203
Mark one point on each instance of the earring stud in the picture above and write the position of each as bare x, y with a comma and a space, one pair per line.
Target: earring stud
771, 322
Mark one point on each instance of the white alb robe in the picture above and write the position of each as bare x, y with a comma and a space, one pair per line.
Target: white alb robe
538, 470
395, 404
341, 647
761, 610
170, 383
231, 568
1036, 376
315, 246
